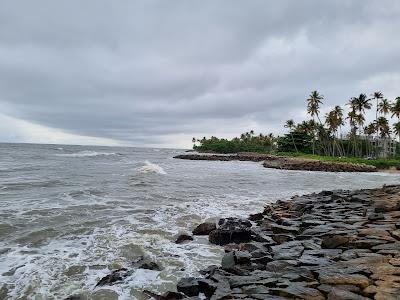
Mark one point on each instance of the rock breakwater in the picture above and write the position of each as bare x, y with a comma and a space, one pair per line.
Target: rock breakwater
331, 245
287, 163
284, 163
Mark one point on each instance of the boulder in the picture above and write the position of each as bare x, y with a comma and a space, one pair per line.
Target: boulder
188, 286
149, 265
231, 230
182, 238
204, 228
114, 277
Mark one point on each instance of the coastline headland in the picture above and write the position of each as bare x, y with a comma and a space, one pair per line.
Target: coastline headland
332, 245
285, 163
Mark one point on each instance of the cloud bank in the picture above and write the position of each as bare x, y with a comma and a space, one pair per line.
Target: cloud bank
156, 73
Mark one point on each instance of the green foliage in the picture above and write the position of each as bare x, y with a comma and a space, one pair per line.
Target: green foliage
248, 142
297, 140
381, 163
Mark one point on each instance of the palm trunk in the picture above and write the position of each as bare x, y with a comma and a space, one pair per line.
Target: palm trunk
294, 144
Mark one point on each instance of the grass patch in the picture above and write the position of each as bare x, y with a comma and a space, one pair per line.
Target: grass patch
380, 163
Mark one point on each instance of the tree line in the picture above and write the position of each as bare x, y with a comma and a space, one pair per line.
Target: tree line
323, 135
319, 134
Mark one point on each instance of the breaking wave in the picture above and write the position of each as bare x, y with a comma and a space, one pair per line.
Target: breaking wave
151, 168
87, 154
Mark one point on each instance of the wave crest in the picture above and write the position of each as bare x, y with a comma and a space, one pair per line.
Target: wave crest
151, 168
87, 154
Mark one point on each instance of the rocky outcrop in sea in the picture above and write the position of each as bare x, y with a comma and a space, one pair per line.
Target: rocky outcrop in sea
285, 163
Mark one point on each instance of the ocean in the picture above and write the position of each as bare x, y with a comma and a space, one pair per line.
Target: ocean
71, 214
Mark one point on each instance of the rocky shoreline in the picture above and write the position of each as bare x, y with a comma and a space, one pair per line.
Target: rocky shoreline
284, 163
331, 245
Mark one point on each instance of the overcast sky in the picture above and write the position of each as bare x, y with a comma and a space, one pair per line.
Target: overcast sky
156, 73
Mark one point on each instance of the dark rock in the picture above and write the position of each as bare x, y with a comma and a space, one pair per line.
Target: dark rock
334, 241
73, 297
282, 238
149, 265
183, 237
289, 250
188, 286
375, 217
255, 289
167, 296
231, 230
207, 287
256, 217
342, 294
228, 260
173, 295
114, 277
242, 257
298, 291
284, 229
312, 260
259, 236
280, 265
204, 228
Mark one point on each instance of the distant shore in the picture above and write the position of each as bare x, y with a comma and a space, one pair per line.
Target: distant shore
284, 163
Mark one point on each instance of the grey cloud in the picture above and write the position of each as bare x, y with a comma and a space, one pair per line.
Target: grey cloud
142, 71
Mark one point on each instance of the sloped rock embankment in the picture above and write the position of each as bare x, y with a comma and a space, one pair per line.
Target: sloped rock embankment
331, 245
288, 163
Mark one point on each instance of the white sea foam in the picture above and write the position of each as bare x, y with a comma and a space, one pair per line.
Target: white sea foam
149, 167
87, 154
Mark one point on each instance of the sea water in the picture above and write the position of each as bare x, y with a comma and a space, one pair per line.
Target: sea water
71, 214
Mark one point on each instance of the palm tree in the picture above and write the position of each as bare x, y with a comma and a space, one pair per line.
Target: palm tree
383, 127
290, 124
361, 103
313, 103
396, 129
377, 96
384, 107
395, 109
334, 120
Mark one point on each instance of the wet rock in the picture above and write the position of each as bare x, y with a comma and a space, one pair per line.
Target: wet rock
284, 229
289, 250
204, 228
280, 265
242, 257
104, 294
188, 286
149, 265
115, 277
73, 297
228, 260
282, 238
256, 217
166, 296
182, 238
231, 230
